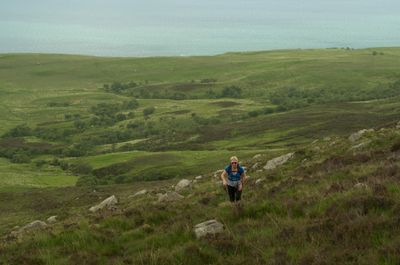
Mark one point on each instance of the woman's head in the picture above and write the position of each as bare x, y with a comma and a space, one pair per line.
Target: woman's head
234, 160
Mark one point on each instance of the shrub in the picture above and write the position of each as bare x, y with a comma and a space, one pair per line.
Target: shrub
19, 131
253, 113
40, 162
148, 111
231, 91
179, 96
20, 158
81, 169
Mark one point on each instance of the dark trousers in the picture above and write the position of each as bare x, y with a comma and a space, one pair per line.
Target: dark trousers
234, 193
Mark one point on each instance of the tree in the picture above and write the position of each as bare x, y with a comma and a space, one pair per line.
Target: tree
19, 131
148, 111
231, 91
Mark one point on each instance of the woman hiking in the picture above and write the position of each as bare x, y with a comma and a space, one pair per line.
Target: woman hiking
233, 178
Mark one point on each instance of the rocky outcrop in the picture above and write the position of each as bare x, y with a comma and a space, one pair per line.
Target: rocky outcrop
139, 193
218, 173
360, 145
106, 204
31, 227
278, 161
52, 219
210, 227
361, 186
183, 184
259, 181
356, 136
169, 197
255, 166
257, 156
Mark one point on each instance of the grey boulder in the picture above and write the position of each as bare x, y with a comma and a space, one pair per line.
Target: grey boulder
107, 203
210, 227
183, 184
169, 197
278, 161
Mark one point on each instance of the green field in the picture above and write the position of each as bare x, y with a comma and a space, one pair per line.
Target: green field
286, 98
76, 129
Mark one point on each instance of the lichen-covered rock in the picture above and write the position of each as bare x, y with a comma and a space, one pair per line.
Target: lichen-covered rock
255, 166
259, 181
33, 226
257, 156
106, 204
357, 135
139, 193
278, 161
52, 219
183, 184
169, 197
218, 173
360, 145
210, 227
361, 186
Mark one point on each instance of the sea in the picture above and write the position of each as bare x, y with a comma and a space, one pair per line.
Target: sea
194, 27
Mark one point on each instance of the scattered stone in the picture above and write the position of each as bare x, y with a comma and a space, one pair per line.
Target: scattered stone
210, 227
315, 141
169, 197
278, 161
35, 225
255, 166
327, 139
257, 156
332, 143
259, 170
198, 177
218, 173
183, 184
398, 125
361, 145
356, 136
317, 149
139, 193
361, 186
259, 181
107, 203
52, 219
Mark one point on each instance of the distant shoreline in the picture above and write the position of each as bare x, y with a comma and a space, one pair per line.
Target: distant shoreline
188, 56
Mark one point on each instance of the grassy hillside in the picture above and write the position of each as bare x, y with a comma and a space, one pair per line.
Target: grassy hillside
335, 202
73, 127
69, 117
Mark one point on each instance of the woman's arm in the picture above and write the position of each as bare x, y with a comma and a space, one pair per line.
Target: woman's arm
243, 177
223, 177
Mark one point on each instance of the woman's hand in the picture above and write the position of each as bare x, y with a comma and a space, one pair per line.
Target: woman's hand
224, 182
240, 186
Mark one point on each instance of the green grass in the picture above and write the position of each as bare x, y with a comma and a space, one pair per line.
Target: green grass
15, 176
305, 212
298, 217
39, 90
